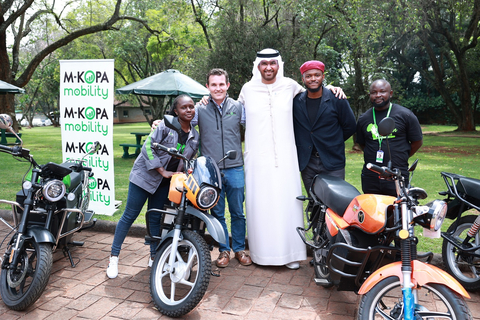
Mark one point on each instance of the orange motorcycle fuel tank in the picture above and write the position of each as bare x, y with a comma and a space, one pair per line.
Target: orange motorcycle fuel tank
366, 212
176, 186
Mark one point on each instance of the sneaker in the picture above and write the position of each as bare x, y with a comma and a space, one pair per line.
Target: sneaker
150, 262
112, 270
293, 265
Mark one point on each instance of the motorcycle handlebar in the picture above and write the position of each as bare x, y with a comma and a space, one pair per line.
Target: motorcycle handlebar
8, 149
171, 151
384, 172
18, 151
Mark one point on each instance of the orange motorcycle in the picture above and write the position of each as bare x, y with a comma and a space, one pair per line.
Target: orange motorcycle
181, 269
366, 243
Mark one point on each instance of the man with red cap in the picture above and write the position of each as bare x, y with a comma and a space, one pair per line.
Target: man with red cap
322, 123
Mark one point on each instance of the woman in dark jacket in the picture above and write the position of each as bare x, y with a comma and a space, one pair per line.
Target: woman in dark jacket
151, 173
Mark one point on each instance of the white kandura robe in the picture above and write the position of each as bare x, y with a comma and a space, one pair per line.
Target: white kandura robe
272, 176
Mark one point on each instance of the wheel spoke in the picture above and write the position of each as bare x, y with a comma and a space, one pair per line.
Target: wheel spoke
434, 315
187, 283
383, 314
172, 291
191, 258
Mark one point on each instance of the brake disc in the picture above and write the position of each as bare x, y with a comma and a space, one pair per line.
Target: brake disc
18, 276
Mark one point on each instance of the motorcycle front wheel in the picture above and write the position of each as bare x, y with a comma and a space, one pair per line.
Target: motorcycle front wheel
435, 301
464, 268
177, 289
21, 286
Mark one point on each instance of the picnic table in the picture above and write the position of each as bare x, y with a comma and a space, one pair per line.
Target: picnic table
137, 145
6, 134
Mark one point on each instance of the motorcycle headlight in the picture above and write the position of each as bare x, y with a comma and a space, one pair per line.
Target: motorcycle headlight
54, 190
207, 197
431, 215
437, 211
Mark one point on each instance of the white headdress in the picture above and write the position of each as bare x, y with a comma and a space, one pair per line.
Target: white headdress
267, 54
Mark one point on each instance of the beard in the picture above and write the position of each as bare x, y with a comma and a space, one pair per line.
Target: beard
381, 105
313, 89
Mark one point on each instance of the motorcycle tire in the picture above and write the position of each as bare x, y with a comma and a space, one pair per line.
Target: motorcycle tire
384, 301
319, 260
178, 291
466, 269
20, 288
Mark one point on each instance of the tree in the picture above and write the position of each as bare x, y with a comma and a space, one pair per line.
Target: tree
22, 16
446, 32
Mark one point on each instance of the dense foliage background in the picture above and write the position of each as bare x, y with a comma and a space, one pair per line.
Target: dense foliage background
427, 49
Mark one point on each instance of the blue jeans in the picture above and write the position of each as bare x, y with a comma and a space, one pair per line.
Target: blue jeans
135, 200
233, 185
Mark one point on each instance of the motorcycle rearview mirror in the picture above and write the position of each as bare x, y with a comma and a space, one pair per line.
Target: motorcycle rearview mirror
94, 147
386, 126
6, 123
411, 170
172, 123
231, 154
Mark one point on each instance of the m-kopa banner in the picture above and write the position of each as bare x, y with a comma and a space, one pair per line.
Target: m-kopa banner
86, 116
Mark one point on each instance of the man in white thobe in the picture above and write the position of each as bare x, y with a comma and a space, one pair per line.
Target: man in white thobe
271, 167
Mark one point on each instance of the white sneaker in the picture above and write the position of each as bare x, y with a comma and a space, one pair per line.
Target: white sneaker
150, 262
293, 265
112, 270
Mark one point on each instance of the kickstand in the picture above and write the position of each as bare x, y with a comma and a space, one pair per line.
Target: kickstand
66, 252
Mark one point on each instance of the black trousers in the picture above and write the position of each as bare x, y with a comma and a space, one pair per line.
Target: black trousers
375, 185
315, 167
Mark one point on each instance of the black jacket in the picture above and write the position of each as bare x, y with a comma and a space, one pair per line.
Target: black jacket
334, 124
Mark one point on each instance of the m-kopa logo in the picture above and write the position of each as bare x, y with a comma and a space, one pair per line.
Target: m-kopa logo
88, 113
92, 80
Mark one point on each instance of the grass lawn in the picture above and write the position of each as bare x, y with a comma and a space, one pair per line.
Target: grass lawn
442, 150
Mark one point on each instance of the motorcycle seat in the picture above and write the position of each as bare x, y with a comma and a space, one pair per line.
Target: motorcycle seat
470, 186
334, 192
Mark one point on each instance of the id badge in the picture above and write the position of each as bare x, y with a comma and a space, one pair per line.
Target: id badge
380, 154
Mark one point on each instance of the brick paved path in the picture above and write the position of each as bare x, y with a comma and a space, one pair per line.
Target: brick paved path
240, 292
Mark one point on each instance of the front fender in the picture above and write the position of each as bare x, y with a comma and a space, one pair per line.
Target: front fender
213, 225
423, 273
41, 235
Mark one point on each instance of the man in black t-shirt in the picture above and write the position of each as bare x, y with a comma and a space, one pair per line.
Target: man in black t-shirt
404, 141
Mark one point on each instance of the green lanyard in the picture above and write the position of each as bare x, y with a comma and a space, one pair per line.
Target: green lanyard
379, 137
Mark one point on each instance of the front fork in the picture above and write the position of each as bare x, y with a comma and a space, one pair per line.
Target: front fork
406, 236
22, 226
177, 231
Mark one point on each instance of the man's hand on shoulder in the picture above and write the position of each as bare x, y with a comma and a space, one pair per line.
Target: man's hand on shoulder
337, 91
155, 124
204, 100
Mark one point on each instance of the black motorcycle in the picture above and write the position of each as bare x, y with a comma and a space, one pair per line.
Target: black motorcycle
461, 242
50, 207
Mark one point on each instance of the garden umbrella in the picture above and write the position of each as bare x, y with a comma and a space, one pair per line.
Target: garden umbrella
168, 83
9, 88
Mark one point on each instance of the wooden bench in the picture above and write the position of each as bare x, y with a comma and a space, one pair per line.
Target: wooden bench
126, 146
5, 135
